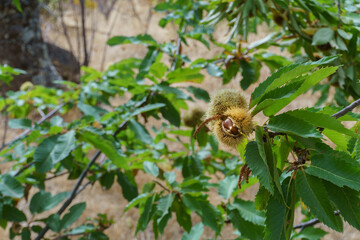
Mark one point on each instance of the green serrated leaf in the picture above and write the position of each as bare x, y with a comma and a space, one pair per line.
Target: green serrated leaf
11, 187
258, 167
52, 150
310, 81
285, 75
169, 112
248, 211
322, 120
140, 132
227, 186
311, 233
199, 93
104, 144
209, 214
275, 220
289, 124
247, 229
339, 139
248, 74
128, 189
182, 215
139, 39
151, 168
314, 195
147, 213
139, 199
164, 204
74, 213
195, 232
261, 199
347, 201
323, 36
335, 170
23, 123
185, 75
43, 201
12, 214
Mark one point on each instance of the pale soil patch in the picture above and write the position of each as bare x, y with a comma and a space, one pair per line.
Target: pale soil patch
112, 202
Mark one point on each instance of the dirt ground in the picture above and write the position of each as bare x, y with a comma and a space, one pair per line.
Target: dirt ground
131, 18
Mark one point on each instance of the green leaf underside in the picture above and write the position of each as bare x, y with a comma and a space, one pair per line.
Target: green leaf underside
314, 195
164, 205
335, 170
151, 168
258, 167
195, 232
227, 186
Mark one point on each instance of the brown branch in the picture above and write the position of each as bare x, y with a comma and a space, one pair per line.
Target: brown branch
347, 109
56, 175
108, 34
77, 188
161, 185
82, 8
73, 193
24, 168
64, 27
311, 222
23, 134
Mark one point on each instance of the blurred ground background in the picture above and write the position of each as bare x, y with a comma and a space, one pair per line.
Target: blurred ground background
132, 17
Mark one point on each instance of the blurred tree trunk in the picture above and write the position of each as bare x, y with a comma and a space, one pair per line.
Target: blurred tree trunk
22, 45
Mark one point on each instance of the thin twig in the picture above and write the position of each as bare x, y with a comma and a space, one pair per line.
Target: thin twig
56, 175
161, 185
339, 10
77, 189
84, 186
108, 34
64, 27
311, 222
148, 19
23, 134
178, 48
347, 109
82, 8
24, 168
